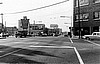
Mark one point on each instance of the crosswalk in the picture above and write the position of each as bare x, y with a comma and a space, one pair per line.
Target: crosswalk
46, 54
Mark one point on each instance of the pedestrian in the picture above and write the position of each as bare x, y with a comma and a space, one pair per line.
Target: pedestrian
69, 34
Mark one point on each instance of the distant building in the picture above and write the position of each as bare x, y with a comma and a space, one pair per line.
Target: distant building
36, 28
11, 30
54, 31
23, 24
89, 16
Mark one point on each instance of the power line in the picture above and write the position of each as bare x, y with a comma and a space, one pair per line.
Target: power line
39, 7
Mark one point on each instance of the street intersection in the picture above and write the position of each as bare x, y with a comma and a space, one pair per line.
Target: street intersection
49, 50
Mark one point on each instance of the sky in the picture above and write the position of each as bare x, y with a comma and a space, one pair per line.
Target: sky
47, 16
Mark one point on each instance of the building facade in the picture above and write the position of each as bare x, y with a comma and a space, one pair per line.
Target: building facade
11, 30
35, 29
23, 24
53, 32
89, 16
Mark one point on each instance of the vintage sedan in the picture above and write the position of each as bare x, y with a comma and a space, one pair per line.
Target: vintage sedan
95, 35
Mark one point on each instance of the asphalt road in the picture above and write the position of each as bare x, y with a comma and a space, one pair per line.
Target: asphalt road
49, 50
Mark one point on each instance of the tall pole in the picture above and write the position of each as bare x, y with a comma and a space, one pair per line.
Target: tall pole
5, 27
79, 18
2, 22
71, 27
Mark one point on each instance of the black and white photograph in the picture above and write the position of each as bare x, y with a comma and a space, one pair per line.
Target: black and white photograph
49, 31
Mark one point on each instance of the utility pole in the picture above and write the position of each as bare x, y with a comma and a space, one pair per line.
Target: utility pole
79, 18
2, 23
5, 27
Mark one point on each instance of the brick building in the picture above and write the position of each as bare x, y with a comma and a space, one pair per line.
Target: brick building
89, 16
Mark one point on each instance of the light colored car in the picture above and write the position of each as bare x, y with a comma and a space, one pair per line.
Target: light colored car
0, 34
95, 35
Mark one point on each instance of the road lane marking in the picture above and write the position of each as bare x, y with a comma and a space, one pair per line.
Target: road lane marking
92, 42
32, 46
70, 40
77, 53
10, 53
1, 51
28, 42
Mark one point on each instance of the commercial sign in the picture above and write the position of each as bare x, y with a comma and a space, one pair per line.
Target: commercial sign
37, 26
82, 2
53, 25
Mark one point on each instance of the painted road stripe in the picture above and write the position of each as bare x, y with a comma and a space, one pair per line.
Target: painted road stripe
92, 42
77, 53
1, 51
71, 40
10, 53
32, 46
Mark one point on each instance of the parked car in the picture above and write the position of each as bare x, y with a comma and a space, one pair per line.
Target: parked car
95, 35
1, 36
6, 35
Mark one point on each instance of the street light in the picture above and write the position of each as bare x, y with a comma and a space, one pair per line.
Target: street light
68, 17
68, 23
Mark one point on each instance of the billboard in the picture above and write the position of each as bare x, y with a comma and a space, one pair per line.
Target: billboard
38, 26
53, 25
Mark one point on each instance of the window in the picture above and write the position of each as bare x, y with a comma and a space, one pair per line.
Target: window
82, 2
83, 17
96, 15
96, 1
